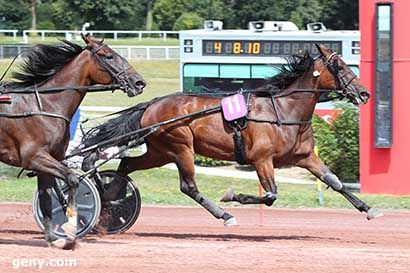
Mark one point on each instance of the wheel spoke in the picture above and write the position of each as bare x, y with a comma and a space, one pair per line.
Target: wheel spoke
56, 210
86, 207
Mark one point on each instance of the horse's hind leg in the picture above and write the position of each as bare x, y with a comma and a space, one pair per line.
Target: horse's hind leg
321, 171
186, 168
265, 171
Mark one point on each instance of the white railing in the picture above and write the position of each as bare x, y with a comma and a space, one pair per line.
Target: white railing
148, 52
69, 34
12, 31
128, 52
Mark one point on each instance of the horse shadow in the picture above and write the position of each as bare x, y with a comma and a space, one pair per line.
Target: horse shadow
233, 237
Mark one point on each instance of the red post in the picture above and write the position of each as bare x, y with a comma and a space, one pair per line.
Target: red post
385, 170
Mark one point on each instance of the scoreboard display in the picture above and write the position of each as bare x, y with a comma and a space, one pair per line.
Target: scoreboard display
264, 48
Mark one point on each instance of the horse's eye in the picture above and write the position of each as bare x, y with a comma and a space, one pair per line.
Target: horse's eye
109, 56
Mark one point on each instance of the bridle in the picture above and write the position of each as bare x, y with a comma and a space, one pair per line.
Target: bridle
341, 78
117, 73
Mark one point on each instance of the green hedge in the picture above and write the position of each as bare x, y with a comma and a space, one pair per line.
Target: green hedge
338, 142
209, 162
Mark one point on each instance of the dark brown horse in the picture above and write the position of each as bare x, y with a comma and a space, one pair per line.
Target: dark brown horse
34, 127
278, 132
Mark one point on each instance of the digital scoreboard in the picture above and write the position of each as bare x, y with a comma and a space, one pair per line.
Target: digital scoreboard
264, 48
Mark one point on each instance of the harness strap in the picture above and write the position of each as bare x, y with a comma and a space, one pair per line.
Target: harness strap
282, 122
35, 113
239, 146
40, 105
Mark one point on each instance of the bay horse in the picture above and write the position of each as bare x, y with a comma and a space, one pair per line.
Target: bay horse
278, 132
34, 126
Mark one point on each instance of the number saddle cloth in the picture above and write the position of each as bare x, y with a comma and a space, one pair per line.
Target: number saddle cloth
235, 110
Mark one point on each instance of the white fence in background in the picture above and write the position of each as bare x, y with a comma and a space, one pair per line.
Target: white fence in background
128, 52
74, 34
148, 52
8, 31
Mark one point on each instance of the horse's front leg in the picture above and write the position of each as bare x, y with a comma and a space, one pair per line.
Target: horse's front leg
321, 171
45, 189
265, 171
47, 166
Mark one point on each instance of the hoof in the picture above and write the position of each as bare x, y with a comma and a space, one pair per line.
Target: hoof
228, 196
69, 230
230, 222
64, 244
373, 213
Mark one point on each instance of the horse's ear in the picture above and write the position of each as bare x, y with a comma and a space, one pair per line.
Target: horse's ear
319, 48
86, 37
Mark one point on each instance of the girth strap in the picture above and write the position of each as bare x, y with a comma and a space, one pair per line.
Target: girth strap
240, 153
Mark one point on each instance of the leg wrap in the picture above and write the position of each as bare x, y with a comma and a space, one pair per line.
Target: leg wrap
209, 205
331, 180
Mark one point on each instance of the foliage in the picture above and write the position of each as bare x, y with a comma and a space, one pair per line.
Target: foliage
340, 14
338, 142
15, 14
188, 20
167, 12
102, 14
208, 162
305, 12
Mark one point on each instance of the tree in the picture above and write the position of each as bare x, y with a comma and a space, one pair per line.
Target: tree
166, 12
341, 14
102, 14
148, 24
305, 12
33, 15
188, 20
15, 14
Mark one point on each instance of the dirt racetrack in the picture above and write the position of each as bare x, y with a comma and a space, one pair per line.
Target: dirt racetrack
169, 239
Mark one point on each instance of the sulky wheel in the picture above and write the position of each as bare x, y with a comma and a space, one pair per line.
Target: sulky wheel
88, 205
120, 200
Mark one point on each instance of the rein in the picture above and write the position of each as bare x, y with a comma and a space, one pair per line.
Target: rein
89, 88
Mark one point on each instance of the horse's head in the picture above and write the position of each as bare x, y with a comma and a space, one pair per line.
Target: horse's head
110, 67
333, 73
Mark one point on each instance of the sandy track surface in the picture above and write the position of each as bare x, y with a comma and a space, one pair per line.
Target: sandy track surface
169, 239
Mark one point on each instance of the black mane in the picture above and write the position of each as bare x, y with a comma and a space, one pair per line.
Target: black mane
295, 67
42, 62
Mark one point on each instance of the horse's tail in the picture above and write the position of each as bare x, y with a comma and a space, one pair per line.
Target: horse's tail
112, 132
